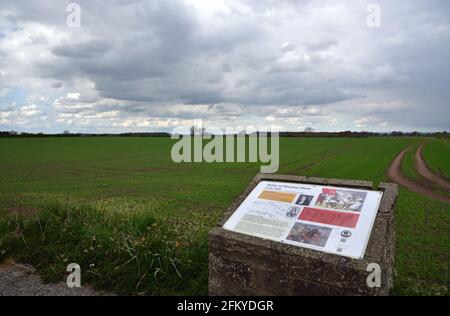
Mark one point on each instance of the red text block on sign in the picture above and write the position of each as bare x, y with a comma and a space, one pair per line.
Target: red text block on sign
329, 217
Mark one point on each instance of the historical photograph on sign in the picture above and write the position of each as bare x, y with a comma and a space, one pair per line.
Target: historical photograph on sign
293, 211
345, 200
309, 234
304, 199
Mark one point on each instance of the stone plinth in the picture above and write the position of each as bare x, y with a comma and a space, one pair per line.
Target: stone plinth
245, 265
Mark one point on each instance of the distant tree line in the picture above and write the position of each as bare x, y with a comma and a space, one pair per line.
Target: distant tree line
364, 134
283, 134
68, 134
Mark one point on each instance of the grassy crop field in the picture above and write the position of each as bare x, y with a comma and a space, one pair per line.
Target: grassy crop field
408, 165
137, 222
437, 154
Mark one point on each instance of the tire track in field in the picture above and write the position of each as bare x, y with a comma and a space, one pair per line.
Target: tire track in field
394, 173
322, 158
422, 169
319, 154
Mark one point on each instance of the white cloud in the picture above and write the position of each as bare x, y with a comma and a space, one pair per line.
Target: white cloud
29, 110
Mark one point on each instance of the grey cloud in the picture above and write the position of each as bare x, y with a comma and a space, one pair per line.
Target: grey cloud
89, 49
149, 57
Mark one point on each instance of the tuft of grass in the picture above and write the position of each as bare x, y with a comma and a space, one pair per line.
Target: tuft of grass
135, 254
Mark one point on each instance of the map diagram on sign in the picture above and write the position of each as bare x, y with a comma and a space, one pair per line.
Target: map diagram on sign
331, 219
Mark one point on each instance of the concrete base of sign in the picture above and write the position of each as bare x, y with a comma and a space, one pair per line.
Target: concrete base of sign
245, 265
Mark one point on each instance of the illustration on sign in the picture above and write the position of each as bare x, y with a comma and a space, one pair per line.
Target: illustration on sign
331, 219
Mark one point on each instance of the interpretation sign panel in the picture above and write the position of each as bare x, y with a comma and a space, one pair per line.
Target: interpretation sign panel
331, 219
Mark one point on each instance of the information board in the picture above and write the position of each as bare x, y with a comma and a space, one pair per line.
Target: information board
331, 219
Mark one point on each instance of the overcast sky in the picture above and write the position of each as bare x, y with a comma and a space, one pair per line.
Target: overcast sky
155, 65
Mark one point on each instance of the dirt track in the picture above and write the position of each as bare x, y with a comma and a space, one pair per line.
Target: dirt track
395, 174
423, 170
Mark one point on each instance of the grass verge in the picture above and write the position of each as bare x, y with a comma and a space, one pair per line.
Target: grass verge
135, 254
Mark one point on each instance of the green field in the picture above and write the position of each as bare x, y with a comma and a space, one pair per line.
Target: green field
137, 222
